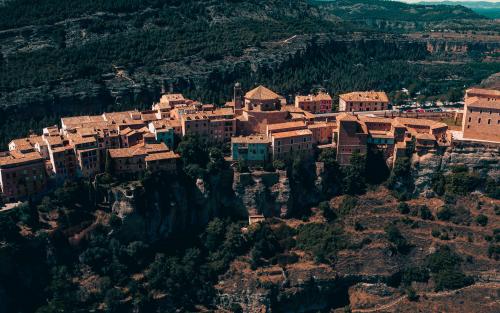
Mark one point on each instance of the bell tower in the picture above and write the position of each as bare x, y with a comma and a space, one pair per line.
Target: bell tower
237, 96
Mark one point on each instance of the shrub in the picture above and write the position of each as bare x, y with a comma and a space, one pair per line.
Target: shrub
354, 175
358, 226
394, 236
242, 167
418, 274
461, 183
348, 204
451, 279
435, 233
411, 294
444, 264
444, 236
425, 213
403, 208
321, 240
444, 258
279, 165
445, 213
492, 188
493, 251
482, 220
268, 167
326, 211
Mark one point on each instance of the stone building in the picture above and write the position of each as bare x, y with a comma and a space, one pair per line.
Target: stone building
481, 118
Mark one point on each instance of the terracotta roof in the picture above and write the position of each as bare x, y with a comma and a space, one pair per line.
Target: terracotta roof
425, 136
148, 117
346, 117
322, 125
482, 92
221, 112
171, 97
365, 96
261, 93
76, 139
409, 122
477, 102
15, 157
293, 133
22, 144
162, 156
61, 149
323, 96
287, 125
381, 134
138, 150
372, 119
53, 140
250, 139
195, 116
318, 97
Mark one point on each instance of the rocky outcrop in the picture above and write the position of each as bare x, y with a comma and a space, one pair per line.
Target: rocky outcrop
259, 192
478, 158
301, 287
153, 216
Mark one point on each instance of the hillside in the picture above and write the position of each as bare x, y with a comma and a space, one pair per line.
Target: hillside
394, 10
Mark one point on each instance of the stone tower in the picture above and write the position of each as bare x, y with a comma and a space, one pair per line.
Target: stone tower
237, 96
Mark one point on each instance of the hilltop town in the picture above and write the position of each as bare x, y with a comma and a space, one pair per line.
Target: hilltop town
259, 126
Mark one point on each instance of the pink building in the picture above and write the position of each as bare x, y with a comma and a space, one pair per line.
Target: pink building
319, 103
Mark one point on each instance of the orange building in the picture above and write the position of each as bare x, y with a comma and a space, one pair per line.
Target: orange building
363, 101
322, 132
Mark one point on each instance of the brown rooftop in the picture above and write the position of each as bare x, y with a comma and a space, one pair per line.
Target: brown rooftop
483, 103
278, 126
250, 139
482, 92
168, 155
16, 157
318, 97
293, 133
365, 96
261, 93
346, 117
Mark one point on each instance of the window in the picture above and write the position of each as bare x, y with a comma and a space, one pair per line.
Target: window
489, 121
470, 118
479, 120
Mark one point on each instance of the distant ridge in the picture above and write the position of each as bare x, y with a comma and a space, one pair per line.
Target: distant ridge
486, 8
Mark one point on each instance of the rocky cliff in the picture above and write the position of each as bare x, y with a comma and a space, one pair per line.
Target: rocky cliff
481, 159
151, 211
266, 193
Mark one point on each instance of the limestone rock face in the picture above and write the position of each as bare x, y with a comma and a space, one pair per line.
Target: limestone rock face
301, 287
152, 215
479, 159
259, 192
